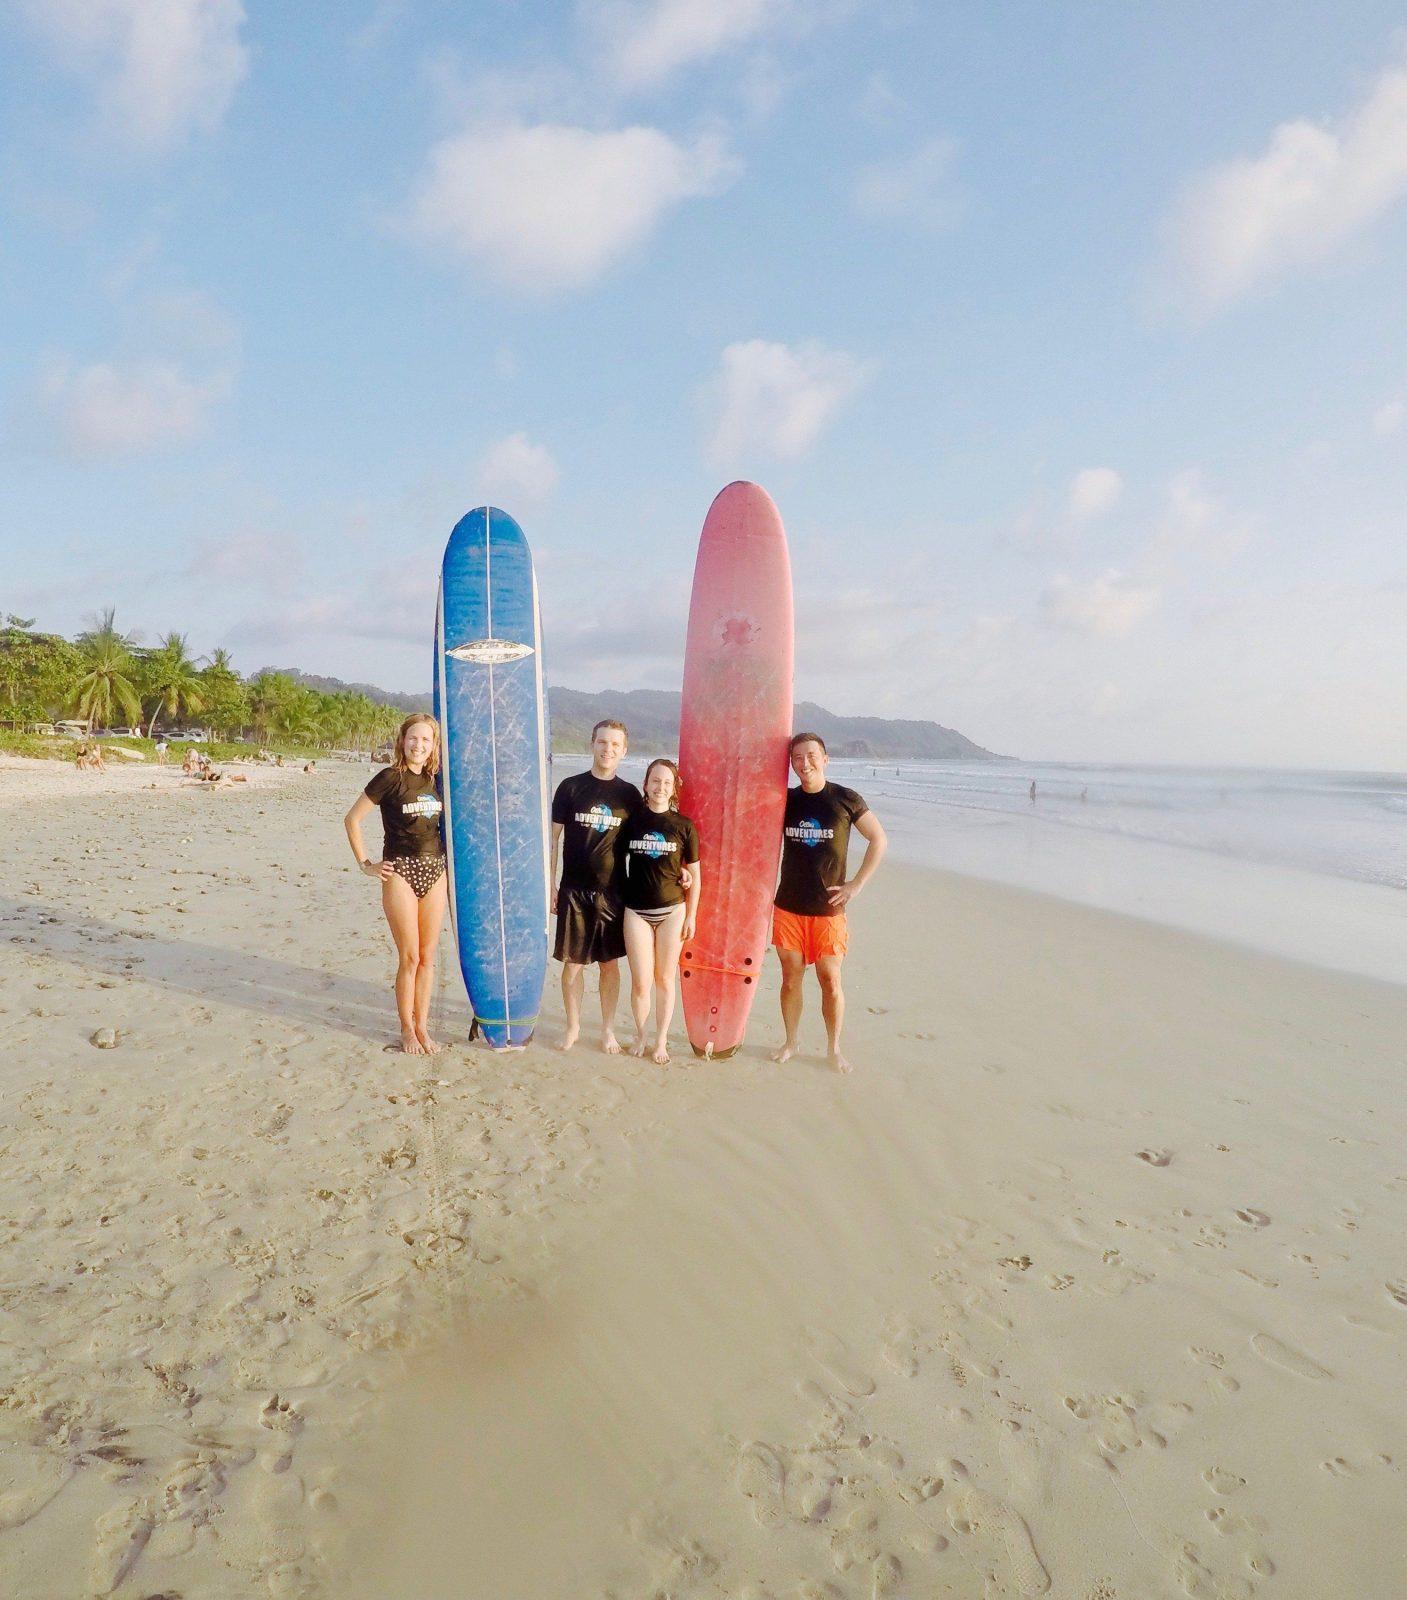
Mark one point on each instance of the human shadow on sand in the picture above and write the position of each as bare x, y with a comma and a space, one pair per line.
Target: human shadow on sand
262, 984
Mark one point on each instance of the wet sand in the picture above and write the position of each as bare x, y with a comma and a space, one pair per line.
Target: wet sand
1089, 1281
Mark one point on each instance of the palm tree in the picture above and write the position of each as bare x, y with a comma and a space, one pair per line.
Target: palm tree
172, 677
106, 687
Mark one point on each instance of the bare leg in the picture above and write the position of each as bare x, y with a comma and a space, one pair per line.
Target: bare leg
573, 985
610, 997
668, 938
399, 903
640, 948
431, 916
832, 1008
793, 970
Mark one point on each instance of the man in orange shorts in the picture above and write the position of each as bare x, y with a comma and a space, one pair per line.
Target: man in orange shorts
808, 919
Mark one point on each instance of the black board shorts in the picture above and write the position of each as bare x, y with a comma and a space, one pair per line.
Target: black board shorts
590, 926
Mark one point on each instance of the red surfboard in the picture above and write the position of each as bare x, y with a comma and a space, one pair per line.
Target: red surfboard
733, 732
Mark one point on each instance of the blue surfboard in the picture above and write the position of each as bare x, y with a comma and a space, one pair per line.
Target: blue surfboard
492, 708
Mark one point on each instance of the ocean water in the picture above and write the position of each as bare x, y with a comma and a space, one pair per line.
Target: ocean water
1340, 824
1311, 865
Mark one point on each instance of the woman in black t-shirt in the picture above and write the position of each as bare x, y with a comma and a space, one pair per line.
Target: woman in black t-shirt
412, 868
661, 900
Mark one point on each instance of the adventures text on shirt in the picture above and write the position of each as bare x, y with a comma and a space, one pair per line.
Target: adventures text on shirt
591, 811
815, 841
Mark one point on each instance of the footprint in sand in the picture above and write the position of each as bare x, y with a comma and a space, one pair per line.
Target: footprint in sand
981, 1513
1155, 1158
1397, 1292
1289, 1360
1251, 1217
761, 1478
120, 1536
1222, 1482
833, 1358
1200, 1583
904, 1346
281, 1415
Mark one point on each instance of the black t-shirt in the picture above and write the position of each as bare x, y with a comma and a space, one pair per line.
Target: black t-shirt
410, 812
654, 847
815, 838
591, 811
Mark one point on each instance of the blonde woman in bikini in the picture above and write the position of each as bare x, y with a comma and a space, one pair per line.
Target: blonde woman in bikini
412, 869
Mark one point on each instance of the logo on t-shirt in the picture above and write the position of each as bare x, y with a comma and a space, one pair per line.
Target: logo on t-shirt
600, 819
654, 845
425, 805
809, 832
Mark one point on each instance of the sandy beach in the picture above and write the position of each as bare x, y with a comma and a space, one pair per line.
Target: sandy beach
1088, 1282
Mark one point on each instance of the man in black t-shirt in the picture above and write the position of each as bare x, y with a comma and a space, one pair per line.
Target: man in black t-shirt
587, 812
808, 922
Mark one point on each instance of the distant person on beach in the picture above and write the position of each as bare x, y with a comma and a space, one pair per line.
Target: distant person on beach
90, 757
161, 748
661, 900
414, 891
808, 922
1033, 791
190, 763
587, 812
310, 766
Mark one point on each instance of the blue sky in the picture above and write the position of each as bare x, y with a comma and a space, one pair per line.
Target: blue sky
1069, 339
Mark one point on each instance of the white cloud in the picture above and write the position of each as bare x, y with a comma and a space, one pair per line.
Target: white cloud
551, 207
1094, 491
776, 399
163, 67
1109, 606
1387, 419
1256, 217
1195, 525
917, 187
514, 468
104, 410
647, 43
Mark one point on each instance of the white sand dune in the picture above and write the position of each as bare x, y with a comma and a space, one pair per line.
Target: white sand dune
1089, 1281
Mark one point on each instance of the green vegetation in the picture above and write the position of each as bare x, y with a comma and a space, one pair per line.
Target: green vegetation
106, 678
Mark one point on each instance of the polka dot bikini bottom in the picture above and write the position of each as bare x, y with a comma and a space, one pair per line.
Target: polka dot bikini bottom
422, 873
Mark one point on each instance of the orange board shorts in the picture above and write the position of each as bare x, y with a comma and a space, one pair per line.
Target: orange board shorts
810, 937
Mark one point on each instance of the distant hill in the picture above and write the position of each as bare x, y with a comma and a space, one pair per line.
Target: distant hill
382, 697
652, 715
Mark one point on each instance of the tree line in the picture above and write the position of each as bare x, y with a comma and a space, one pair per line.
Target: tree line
105, 678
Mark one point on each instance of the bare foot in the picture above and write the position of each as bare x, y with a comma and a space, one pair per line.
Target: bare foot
787, 1051
567, 1040
410, 1043
610, 1045
431, 1047
638, 1049
838, 1062
661, 1055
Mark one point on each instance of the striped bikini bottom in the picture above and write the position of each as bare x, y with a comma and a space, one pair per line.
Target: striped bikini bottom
422, 873
657, 916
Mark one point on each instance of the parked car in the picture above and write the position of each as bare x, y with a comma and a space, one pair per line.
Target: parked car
72, 730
